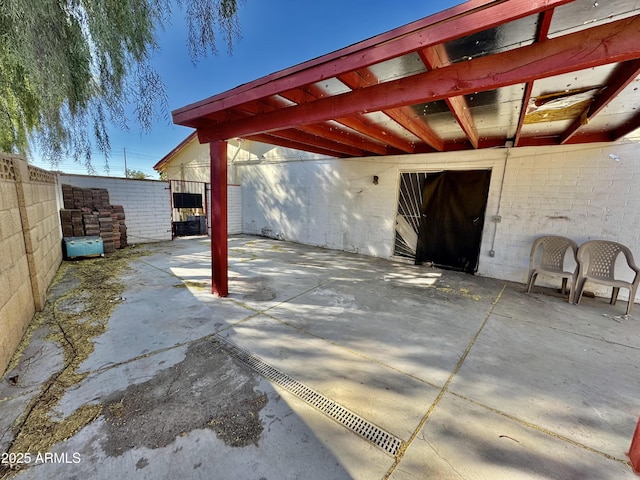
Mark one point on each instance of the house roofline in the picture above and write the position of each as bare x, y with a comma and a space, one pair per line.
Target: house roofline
169, 156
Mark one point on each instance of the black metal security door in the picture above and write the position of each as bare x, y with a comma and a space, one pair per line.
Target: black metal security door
452, 218
188, 208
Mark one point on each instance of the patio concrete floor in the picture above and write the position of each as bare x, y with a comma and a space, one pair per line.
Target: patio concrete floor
475, 378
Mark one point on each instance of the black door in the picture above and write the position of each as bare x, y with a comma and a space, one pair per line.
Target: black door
452, 218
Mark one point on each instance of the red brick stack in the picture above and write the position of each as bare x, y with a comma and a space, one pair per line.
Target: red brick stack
87, 213
119, 217
106, 230
91, 225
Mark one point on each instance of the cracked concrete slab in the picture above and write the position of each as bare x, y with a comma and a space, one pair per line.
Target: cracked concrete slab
465, 440
478, 379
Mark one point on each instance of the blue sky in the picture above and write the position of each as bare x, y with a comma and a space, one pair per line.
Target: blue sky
275, 34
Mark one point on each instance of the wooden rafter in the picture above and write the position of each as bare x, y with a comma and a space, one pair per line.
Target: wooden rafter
609, 43
544, 24
469, 17
320, 135
342, 137
626, 128
404, 116
436, 57
625, 74
319, 140
358, 123
285, 142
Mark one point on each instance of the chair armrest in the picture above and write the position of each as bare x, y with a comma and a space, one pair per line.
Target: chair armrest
631, 263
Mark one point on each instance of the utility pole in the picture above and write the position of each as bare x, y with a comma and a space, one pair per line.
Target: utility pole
126, 172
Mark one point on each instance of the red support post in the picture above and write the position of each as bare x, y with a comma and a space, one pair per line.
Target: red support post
634, 450
219, 249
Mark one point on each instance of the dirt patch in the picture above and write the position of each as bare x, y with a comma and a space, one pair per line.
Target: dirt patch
207, 389
257, 289
81, 299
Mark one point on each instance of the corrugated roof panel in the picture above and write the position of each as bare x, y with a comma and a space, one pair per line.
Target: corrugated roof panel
592, 77
332, 86
544, 129
399, 67
618, 112
495, 113
383, 121
582, 14
438, 116
495, 40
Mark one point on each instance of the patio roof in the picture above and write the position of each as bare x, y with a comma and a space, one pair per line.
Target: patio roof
479, 75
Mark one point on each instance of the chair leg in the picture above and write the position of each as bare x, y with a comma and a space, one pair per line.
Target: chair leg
572, 291
614, 295
532, 279
577, 295
632, 297
563, 289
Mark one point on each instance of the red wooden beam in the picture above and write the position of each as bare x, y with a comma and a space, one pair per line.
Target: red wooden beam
358, 123
403, 116
361, 124
544, 23
314, 137
626, 74
219, 247
335, 144
634, 449
523, 112
339, 140
345, 139
436, 57
465, 19
626, 128
283, 142
609, 43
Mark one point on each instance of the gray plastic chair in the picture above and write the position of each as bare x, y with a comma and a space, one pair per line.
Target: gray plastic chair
554, 248
597, 261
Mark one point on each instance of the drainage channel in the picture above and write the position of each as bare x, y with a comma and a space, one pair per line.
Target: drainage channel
367, 430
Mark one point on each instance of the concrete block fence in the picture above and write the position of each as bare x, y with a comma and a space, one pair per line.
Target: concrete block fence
30, 249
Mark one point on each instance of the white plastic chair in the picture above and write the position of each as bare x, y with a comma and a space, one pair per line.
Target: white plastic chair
597, 261
554, 249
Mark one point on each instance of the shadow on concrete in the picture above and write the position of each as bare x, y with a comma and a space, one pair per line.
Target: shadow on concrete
479, 379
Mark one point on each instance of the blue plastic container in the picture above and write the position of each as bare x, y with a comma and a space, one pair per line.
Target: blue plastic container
83, 247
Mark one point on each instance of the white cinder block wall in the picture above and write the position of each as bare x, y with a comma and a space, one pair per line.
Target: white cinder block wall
234, 209
584, 192
146, 204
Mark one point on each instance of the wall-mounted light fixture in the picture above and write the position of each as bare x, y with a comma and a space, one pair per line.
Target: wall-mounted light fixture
375, 179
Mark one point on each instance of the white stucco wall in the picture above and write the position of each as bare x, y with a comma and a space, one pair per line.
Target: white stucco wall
583, 192
190, 163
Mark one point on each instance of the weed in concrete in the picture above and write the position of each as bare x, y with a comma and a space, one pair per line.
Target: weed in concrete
75, 316
193, 284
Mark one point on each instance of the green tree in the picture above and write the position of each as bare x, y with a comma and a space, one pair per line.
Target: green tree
135, 174
69, 67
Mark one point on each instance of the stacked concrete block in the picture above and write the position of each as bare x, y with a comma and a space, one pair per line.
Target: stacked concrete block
118, 221
106, 230
67, 226
87, 213
76, 223
146, 202
91, 224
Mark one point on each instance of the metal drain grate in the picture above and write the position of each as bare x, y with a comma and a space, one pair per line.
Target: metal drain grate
374, 434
